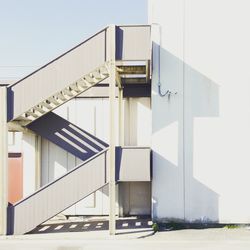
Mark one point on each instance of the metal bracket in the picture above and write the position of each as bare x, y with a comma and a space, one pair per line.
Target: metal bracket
168, 93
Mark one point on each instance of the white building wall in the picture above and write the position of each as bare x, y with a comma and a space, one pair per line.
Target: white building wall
92, 115
137, 122
14, 142
29, 163
167, 114
201, 136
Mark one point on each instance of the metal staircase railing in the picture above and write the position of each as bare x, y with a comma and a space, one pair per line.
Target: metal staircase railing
58, 195
58, 81
67, 93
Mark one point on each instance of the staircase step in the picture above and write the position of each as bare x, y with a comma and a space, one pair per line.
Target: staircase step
90, 79
68, 92
63, 97
47, 105
54, 101
33, 113
39, 109
26, 118
74, 86
96, 75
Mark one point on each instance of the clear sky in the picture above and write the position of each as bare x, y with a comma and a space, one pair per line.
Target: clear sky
34, 32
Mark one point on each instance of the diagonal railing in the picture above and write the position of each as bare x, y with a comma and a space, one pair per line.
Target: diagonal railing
58, 195
60, 80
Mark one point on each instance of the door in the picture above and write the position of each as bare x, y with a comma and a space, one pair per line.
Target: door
15, 180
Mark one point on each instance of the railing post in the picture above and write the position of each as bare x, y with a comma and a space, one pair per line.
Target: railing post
112, 82
3, 160
121, 117
38, 145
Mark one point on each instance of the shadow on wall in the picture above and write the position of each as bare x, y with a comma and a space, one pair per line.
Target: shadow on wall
176, 194
137, 127
67, 136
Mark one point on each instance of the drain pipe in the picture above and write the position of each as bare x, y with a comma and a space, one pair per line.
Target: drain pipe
168, 92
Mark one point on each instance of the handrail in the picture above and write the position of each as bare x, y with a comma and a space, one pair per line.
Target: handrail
50, 62
59, 178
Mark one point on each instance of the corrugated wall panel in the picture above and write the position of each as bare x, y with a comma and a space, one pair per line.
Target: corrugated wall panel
133, 43
133, 164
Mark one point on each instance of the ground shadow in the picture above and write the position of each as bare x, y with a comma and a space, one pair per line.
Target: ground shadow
127, 225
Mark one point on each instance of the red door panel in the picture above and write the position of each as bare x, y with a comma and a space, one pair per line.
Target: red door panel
15, 181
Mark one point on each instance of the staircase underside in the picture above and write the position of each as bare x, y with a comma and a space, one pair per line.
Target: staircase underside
126, 74
66, 94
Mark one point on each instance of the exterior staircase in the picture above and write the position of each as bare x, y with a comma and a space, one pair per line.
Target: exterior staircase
32, 100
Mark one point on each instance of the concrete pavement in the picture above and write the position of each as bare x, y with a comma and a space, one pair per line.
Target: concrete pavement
212, 239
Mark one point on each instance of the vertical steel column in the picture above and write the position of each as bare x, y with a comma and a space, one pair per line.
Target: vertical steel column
112, 82
3, 160
120, 131
121, 117
38, 142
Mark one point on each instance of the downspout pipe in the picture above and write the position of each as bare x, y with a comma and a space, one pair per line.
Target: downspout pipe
168, 92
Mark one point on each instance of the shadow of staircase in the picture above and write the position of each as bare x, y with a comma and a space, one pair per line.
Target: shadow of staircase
100, 224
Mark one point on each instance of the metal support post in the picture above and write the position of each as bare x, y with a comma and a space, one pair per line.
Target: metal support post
121, 117
112, 82
3, 161
38, 142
